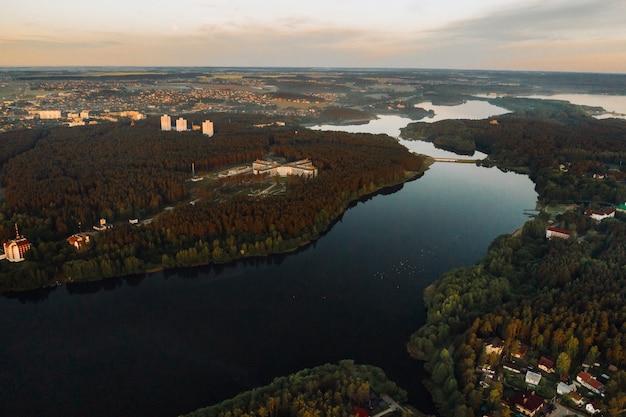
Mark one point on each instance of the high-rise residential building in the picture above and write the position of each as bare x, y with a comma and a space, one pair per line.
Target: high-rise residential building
207, 128
181, 124
166, 122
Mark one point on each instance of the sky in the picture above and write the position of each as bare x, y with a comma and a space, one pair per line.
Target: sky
544, 35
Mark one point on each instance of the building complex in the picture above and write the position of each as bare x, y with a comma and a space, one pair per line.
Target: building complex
302, 168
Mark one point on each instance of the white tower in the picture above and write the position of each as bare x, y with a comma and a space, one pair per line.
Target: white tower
166, 122
207, 128
181, 125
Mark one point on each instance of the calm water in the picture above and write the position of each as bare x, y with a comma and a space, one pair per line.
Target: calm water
174, 341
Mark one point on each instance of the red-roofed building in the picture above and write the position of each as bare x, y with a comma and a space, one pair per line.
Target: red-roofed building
546, 365
589, 382
556, 232
521, 352
79, 240
15, 249
600, 215
527, 403
359, 412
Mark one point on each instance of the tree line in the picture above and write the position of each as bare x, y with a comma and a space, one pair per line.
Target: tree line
332, 390
562, 298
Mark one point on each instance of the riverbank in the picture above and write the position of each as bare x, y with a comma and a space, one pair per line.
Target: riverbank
289, 246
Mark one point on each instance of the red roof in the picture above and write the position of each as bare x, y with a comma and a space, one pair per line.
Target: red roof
590, 380
604, 212
556, 229
543, 361
359, 412
528, 401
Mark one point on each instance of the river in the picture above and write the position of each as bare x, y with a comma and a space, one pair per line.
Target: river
169, 342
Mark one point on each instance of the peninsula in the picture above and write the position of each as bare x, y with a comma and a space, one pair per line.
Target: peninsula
134, 183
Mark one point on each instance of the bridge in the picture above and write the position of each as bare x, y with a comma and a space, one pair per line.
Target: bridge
456, 160
393, 406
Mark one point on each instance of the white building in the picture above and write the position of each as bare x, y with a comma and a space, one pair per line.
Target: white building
599, 215
181, 125
533, 378
15, 249
303, 168
84, 114
166, 122
207, 128
558, 233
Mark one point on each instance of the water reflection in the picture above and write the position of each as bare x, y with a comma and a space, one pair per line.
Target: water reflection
614, 105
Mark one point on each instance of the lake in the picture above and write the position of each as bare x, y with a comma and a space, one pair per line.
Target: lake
169, 342
614, 105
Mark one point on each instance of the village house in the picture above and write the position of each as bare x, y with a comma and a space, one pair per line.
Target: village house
562, 388
494, 345
578, 399
513, 367
589, 382
521, 352
546, 365
527, 403
533, 378
592, 408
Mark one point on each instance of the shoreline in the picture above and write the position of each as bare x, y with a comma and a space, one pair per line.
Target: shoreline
409, 176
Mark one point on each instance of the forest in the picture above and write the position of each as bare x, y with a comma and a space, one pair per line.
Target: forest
60, 181
331, 390
563, 298
558, 145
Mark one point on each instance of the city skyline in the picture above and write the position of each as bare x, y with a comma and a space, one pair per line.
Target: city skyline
552, 35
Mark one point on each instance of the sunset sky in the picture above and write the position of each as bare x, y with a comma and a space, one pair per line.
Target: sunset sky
554, 35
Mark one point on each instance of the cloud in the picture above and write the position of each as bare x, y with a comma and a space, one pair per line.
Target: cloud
551, 20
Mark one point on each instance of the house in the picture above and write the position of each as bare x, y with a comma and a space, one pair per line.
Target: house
546, 365
589, 382
562, 388
527, 403
591, 408
556, 232
494, 345
513, 367
15, 249
533, 378
599, 215
79, 240
521, 352
103, 225
578, 399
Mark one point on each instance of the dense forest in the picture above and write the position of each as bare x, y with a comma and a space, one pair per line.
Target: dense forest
331, 390
558, 145
563, 298
61, 181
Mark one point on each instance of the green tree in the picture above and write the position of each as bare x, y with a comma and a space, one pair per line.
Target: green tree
563, 363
